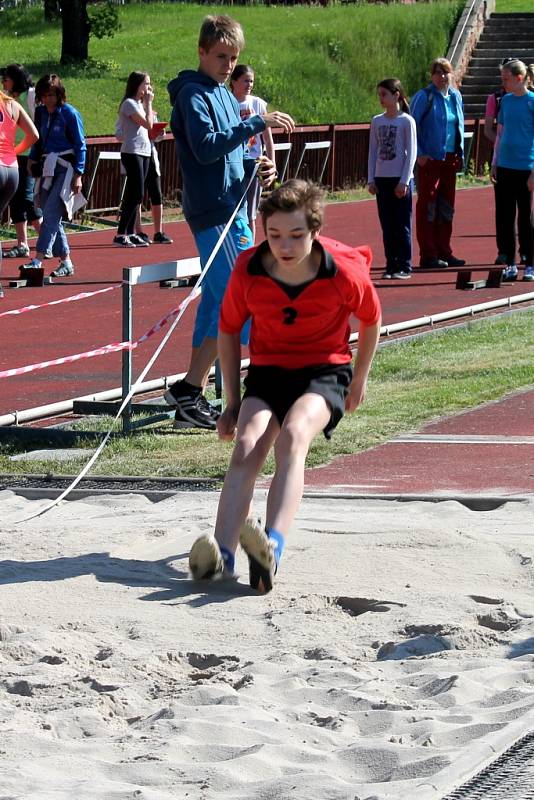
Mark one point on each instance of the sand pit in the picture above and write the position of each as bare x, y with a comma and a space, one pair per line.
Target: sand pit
394, 656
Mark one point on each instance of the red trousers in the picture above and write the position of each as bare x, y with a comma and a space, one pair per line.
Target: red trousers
436, 191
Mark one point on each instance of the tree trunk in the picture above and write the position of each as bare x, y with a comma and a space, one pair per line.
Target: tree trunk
75, 28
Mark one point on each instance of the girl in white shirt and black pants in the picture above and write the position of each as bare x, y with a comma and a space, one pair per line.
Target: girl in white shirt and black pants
392, 154
135, 120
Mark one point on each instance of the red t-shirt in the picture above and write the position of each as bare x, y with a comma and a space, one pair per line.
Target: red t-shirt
300, 326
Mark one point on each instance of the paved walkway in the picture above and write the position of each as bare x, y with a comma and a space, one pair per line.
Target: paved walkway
487, 451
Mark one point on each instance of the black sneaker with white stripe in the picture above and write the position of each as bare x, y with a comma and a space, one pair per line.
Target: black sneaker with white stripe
194, 411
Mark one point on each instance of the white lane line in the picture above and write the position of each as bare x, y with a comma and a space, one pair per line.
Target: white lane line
451, 438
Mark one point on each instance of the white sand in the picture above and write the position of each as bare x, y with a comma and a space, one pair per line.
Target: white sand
120, 678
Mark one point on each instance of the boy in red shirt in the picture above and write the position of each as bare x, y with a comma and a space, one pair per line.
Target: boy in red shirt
299, 290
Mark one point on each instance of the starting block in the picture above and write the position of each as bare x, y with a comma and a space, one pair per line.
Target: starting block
493, 281
31, 278
178, 283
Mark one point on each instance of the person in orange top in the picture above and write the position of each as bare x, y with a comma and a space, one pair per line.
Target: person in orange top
12, 116
299, 290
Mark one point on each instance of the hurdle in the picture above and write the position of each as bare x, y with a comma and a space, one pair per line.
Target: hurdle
164, 273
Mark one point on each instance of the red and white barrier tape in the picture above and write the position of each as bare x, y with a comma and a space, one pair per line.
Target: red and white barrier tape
71, 299
113, 347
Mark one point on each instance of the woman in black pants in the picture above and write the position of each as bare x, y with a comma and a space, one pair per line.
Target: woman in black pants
136, 119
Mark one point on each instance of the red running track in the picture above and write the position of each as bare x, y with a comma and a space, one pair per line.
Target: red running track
57, 331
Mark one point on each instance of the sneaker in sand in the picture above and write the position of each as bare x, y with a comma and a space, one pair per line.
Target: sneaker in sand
205, 559
261, 560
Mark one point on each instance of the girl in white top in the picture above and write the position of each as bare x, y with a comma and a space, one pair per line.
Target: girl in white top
241, 85
392, 154
136, 119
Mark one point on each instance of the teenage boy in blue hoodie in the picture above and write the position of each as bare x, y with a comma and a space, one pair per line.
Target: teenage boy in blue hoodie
210, 138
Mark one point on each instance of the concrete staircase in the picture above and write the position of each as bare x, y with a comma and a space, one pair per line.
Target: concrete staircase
504, 36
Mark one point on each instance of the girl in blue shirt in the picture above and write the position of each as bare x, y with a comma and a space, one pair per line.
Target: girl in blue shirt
513, 169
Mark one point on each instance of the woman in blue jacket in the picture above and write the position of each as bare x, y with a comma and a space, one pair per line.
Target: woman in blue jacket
439, 117
58, 160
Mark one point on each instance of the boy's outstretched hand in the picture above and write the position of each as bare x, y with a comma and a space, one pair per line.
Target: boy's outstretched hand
227, 423
277, 119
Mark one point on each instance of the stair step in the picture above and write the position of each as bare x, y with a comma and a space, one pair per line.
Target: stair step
484, 73
511, 15
498, 53
492, 64
475, 112
477, 99
474, 79
506, 36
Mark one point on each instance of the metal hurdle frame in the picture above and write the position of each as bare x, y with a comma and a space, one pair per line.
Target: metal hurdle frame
104, 155
324, 145
136, 276
283, 147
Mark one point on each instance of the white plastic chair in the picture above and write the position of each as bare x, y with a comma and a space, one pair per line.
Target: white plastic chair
284, 147
103, 155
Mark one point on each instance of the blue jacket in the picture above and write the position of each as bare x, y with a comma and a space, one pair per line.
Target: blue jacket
66, 133
427, 107
210, 139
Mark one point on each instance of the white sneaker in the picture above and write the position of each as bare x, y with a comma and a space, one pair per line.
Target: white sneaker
509, 273
205, 559
528, 274
64, 269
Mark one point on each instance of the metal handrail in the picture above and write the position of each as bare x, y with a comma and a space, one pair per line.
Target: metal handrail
473, 3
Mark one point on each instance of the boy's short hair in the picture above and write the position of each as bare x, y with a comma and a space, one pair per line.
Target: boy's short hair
221, 28
441, 64
294, 195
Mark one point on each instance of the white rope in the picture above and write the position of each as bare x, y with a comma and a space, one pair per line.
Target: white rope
195, 291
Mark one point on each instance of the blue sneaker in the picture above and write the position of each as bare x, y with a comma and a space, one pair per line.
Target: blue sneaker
509, 273
528, 274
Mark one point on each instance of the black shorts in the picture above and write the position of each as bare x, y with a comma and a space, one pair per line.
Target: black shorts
280, 388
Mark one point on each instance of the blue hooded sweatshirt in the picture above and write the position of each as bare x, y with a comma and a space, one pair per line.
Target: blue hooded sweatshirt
210, 139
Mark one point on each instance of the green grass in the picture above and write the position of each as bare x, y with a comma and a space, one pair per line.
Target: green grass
319, 64
411, 383
513, 6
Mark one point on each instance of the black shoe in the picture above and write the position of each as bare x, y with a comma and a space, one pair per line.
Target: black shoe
162, 238
433, 263
452, 261
195, 412
122, 241
139, 241
144, 236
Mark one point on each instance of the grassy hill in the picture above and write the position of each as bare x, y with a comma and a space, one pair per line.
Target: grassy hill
319, 64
